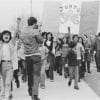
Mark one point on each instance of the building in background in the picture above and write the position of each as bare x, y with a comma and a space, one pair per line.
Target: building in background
82, 16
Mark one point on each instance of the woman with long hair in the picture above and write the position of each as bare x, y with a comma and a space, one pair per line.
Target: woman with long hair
51, 58
65, 49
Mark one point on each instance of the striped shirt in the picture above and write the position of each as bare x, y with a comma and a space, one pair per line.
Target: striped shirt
31, 40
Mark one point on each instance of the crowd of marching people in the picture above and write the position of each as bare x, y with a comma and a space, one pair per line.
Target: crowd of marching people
38, 56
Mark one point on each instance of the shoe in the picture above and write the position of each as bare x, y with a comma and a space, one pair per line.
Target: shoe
89, 72
30, 91
10, 97
65, 76
79, 80
51, 80
42, 86
17, 83
35, 97
76, 87
69, 83
98, 70
60, 74
24, 78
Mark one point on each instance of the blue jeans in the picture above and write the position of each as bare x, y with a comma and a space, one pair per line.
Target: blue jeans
74, 72
33, 64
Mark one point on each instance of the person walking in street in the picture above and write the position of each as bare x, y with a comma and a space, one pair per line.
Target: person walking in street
97, 51
65, 49
32, 40
87, 56
58, 59
44, 55
80, 55
7, 57
51, 58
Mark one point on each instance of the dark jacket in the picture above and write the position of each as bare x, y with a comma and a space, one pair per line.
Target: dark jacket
72, 58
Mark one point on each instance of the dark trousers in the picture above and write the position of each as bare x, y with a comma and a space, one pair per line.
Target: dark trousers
97, 58
66, 72
51, 69
33, 64
88, 65
83, 69
51, 60
88, 60
22, 68
58, 64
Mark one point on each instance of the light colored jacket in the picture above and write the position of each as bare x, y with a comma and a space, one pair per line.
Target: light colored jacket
13, 52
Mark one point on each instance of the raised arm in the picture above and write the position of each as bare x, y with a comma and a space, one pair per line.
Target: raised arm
17, 32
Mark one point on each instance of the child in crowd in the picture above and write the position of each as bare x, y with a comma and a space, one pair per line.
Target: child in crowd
80, 57
65, 49
80, 52
72, 64
44, 53
87, 56
6, 57
58, 60
51, 58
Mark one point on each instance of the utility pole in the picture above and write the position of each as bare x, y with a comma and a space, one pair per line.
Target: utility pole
31, 11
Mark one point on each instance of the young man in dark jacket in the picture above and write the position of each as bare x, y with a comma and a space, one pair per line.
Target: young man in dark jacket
72, 64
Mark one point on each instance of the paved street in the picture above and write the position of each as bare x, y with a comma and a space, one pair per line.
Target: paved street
93, 79
58, 90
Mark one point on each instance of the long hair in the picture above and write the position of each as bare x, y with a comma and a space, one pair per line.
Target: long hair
82, 40
67, 40
5, 32
50, 47
44, 34
51, 36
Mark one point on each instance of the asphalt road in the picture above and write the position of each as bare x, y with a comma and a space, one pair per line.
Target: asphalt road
93, 79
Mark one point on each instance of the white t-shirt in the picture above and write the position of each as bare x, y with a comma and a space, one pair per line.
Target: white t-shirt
79, 50
6, 52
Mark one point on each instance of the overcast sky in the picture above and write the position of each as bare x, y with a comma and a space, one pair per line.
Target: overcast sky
11, 9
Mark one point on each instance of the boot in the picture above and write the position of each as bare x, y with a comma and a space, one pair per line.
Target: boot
17, 83
76, 87
69, 83
35, 97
